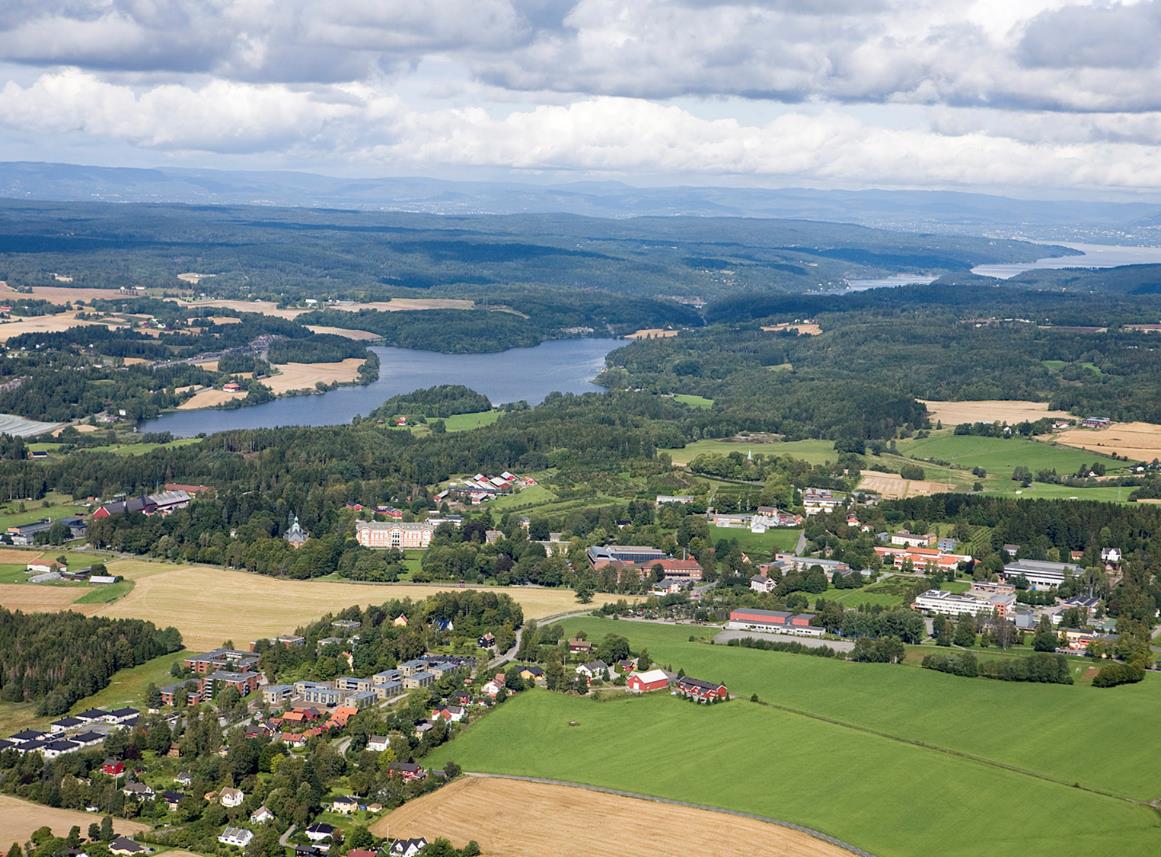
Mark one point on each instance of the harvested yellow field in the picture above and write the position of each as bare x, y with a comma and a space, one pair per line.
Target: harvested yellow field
136, 361
359, 335
225, 319
83, 428
19, 818
508, 818
1139, 441
271, 308
208, 398
990, 411
262, 307
15, 556
652, 333
894, 487
406, 304
41, 324
209, 605
193, 277
802, 328
38, 599
303, 376
61, 294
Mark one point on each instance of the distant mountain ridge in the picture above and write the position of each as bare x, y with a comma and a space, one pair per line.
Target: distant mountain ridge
907, 210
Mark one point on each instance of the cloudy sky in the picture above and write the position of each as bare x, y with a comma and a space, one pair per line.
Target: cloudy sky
1031, 96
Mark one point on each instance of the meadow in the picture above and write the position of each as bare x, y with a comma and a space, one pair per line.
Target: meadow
694, 401
1074, 734
891, 797
466, 422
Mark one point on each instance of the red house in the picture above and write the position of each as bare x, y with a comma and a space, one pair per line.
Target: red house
648, 681
702, 691
113, 768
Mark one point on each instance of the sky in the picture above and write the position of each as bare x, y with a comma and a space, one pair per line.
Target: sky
1030, 97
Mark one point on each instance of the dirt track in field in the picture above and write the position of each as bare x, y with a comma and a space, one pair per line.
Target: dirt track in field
514, 818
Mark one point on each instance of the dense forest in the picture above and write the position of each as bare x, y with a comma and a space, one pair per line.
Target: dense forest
55, 659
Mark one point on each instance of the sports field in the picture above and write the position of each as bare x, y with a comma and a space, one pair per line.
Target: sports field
209, 605
495, 813
897, 756
763, 543
19, 818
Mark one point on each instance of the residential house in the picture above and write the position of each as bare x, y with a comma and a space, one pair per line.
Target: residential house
261, 816
408, 771
277, 694
597, 669
65, 724
172, 799
819, 501
424, 678
123, 846
320, 831
906, 539
378, 743
344, 805
531, 674
449, 713
701, 691
231, 797
239, 837
407, 847
112, 768
138, 791
52, 749
579, 646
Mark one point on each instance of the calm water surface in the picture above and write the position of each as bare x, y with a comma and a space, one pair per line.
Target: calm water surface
1095, 256
528, 374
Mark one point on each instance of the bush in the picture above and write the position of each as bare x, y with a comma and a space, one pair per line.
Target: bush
1117, 673
1042, 667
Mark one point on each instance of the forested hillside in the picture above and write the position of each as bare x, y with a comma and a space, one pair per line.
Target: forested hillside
55, 659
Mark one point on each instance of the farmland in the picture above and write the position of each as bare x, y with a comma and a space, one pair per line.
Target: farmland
494, 812
889, 796
902, 729
19, 818
1139, 441
999, 455
989, 411
304, 376
895, 487
1075, 734
190, 597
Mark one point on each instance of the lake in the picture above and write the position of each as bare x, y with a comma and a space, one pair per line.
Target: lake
1095, 256
519, 374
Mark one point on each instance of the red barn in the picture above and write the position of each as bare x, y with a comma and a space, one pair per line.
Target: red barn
648, 681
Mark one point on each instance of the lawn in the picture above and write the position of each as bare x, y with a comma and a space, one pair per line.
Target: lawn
465, 422
890, 797
884, 593
1077, 734
764, 543
812, 451
999, 456
699, 402
527, 498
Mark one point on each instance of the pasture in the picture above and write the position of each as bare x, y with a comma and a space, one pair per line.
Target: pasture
494, 812
466, 422
690, 400
889, 796
19, 818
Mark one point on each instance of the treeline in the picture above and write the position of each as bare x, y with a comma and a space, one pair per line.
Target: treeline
1040, 667
319, 348
55, 659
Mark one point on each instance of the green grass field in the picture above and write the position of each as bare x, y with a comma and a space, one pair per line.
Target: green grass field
141, 448
700, 402
1074, 733
527, 498
35, 510
106, 593
813, 451
763, 543
998, 456
890, 797
465, 422
883, 593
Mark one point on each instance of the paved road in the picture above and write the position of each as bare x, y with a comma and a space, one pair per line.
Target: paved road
810, 642
510, 655
284, 839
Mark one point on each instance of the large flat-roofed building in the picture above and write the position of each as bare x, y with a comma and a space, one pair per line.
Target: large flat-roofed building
632, 554
1040, 574
774, 622
940, 601
394, 534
